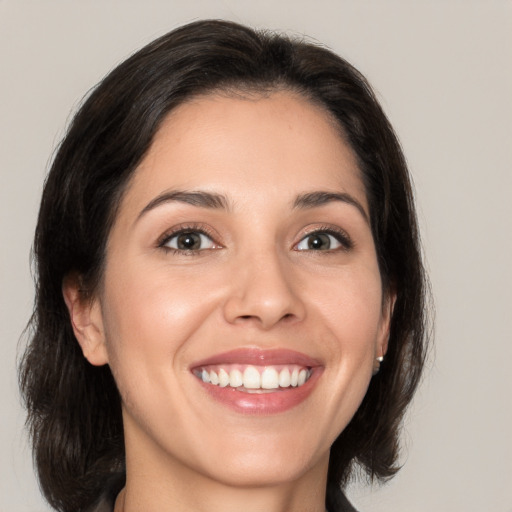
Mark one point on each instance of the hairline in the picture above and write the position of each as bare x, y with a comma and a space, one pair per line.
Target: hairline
244, 90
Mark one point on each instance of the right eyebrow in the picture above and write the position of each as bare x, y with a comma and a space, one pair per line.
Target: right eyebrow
195, 198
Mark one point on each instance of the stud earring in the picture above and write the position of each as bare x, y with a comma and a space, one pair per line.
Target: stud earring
376, 365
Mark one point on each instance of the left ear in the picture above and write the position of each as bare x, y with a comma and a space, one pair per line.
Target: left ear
387, 314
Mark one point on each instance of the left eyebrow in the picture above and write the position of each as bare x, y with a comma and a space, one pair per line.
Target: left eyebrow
320, 198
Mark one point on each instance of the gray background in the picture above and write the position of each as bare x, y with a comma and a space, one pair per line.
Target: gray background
442, 70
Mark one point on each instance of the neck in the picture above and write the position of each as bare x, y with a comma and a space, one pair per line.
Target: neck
166, 485
226, 500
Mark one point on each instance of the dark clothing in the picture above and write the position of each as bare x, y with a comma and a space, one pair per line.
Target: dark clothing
338, 501
108, 498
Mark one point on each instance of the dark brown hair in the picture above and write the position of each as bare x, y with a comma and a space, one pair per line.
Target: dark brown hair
74, 411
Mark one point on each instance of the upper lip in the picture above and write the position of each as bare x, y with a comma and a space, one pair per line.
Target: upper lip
259, 357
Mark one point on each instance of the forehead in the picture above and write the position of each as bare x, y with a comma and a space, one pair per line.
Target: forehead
281, 144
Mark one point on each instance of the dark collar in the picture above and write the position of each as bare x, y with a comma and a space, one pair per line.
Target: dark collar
336, 500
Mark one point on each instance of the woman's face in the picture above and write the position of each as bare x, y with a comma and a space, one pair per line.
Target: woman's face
241, 309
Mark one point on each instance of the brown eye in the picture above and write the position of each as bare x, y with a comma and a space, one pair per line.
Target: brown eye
319, 241
189, 241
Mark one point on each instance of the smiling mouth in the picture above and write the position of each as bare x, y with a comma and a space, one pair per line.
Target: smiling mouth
254, 379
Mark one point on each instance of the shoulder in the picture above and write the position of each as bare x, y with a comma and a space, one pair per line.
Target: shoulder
337, 501
343, 505
107, 499
103, 505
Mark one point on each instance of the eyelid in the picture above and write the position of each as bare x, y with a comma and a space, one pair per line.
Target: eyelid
187, 228
340, 234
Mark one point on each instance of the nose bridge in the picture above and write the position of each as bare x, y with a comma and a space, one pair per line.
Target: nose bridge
263, 289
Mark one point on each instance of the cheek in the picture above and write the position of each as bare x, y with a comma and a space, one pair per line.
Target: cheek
149, 317
350, 304
150, 312
349, 312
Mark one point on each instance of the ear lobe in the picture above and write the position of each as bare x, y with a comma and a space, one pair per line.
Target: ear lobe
86, 320
387, 315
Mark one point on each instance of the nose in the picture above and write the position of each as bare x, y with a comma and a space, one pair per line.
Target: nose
264, 292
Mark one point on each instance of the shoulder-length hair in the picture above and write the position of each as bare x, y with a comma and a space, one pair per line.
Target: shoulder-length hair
74, 409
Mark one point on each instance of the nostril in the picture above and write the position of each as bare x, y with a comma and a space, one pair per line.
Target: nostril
258, 308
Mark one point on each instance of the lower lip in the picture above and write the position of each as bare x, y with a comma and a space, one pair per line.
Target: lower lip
262, 403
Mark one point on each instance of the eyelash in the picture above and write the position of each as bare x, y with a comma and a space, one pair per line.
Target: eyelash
188, 228
339, 234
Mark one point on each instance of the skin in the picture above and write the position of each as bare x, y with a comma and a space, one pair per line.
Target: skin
159, 311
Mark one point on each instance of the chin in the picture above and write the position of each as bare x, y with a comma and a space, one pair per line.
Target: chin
261, 459
255, 471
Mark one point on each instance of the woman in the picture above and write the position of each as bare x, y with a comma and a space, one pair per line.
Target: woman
227, 251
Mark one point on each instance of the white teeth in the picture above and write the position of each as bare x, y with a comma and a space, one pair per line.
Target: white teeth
252, 378
284, 378
235, 378
223, 378
269, 378
255, 378
214, 379
294, 377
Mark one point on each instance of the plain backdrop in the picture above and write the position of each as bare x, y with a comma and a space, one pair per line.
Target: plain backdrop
443, 72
